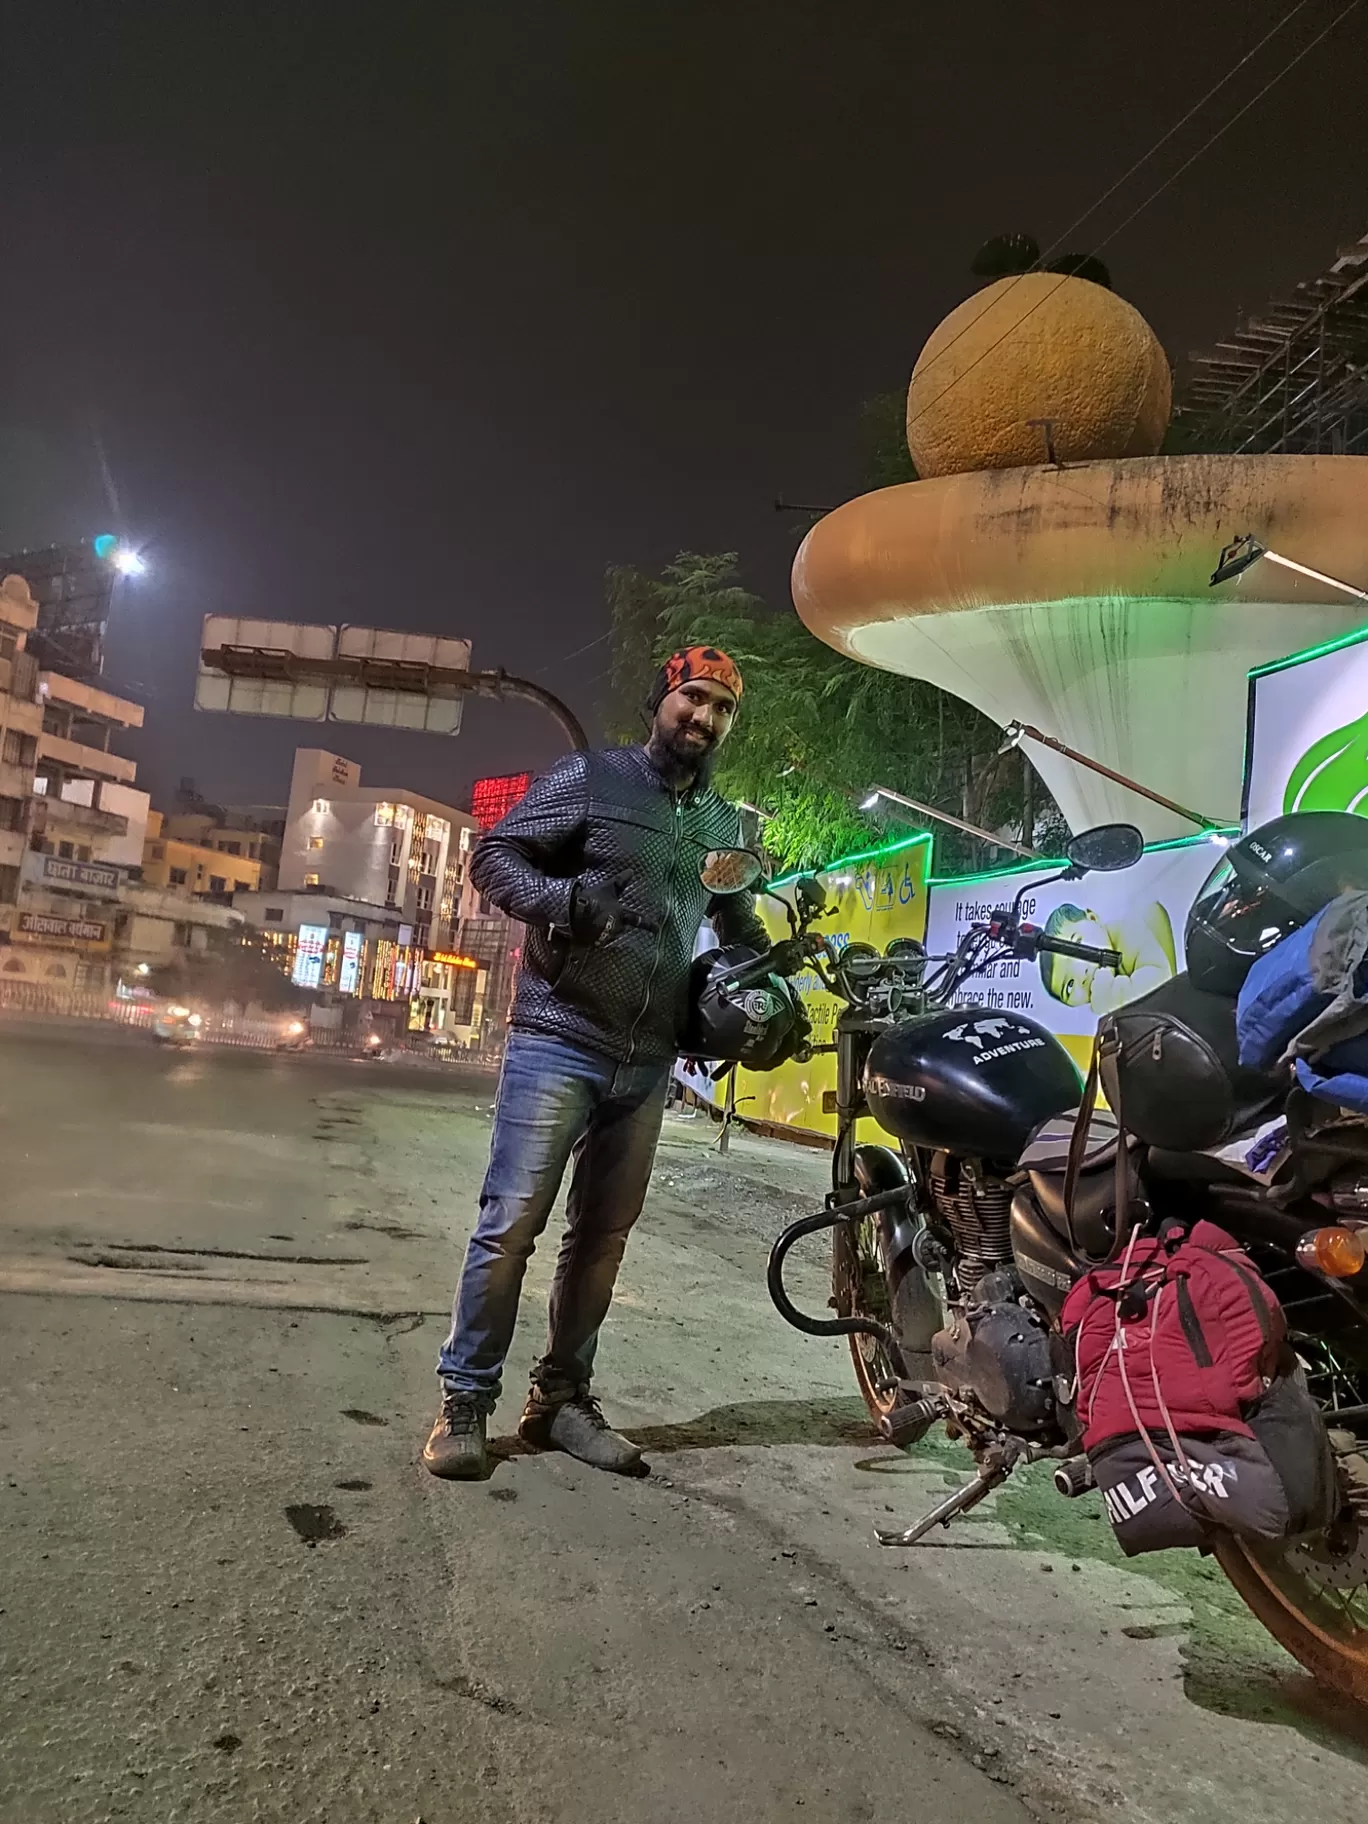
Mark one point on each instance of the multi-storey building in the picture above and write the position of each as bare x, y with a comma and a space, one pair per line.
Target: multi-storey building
73, 912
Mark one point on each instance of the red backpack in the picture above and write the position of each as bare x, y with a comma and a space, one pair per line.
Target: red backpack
1190, 1418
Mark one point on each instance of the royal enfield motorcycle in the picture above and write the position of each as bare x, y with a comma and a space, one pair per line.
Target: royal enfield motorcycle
954, 1249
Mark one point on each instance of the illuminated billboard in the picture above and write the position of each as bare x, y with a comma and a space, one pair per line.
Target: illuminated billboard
349, 975
491, 799
308, 957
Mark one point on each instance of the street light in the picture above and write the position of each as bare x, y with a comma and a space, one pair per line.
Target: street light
112, 550
1242, 552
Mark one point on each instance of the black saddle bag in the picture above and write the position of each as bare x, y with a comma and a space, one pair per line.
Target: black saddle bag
1171, 1061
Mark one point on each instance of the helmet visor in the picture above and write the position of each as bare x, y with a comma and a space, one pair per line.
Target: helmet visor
1248, 916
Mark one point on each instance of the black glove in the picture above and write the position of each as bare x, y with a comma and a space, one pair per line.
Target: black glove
598, 914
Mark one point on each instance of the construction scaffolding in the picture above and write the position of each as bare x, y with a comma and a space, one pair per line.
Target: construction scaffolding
73, 588
1292, 379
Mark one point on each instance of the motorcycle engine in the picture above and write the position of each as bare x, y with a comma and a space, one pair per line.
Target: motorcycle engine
996, 1353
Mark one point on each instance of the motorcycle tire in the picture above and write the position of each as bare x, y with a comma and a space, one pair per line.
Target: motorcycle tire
1312, 1596
859, 1289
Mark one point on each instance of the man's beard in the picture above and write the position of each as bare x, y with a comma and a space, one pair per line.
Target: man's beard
679, 762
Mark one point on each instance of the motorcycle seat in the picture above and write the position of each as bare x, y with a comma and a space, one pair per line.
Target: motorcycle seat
1045, 1163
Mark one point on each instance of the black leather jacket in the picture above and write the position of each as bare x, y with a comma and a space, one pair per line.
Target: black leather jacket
595, 817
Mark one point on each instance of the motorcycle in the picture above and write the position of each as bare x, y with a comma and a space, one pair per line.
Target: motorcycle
177, 1026
953, 1252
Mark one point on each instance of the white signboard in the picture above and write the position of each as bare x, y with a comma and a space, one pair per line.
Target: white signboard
1308, 735
1139, 911
394, 697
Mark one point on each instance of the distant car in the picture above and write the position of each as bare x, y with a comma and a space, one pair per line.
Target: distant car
177, 1025
293, 1036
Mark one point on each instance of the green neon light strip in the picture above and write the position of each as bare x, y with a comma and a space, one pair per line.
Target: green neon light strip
1312, 652
849, 861
968, 880
1030, 867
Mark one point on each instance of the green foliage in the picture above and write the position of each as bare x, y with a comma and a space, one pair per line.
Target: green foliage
883, 422
232, 967
816, 730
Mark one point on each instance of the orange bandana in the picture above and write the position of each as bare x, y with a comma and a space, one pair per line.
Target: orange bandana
696, 662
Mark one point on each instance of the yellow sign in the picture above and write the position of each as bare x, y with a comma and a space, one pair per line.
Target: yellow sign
872, 899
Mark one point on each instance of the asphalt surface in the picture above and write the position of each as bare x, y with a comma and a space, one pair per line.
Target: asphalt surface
228, 1591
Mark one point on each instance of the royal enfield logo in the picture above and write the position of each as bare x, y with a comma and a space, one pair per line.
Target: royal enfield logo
988, 1038
898, 1092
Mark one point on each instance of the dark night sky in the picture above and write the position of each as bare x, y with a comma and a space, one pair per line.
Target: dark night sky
423, 314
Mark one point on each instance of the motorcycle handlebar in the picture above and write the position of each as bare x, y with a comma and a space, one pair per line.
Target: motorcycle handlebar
1060, 946
778, 960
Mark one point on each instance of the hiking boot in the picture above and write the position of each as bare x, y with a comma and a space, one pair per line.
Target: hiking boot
577, 1426
456, 1444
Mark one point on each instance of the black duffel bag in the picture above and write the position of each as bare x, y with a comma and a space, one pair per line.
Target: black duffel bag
1170, 1068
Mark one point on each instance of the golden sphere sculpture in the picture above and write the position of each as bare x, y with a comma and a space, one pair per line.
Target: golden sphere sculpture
1032, 347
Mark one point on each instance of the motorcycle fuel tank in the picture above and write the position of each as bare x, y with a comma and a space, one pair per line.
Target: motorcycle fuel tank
969, 1081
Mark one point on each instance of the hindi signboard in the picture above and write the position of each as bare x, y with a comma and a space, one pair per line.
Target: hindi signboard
43, 928
80, 873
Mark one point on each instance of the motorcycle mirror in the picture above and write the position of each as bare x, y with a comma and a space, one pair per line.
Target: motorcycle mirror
810, 894
730, 870
1106, 849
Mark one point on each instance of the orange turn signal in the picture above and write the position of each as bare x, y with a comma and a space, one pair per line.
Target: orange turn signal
1336, 1253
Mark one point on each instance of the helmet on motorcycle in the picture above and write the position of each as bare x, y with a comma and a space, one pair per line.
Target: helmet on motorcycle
759, 1026
1268, 885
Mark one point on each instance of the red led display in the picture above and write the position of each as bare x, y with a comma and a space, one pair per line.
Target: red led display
491, 799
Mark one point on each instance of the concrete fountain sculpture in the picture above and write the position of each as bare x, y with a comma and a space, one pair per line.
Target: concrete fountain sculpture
1050, 567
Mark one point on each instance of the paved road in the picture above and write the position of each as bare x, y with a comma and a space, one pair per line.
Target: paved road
228, 1592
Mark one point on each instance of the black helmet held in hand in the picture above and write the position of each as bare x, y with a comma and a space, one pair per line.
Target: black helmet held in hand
1268, 885
759, 1025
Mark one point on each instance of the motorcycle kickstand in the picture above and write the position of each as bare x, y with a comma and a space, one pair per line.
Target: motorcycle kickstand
988, 1477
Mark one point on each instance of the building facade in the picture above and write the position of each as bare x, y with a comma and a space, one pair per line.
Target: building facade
396, 850
387, 847
74, 914
233, 835
195, 867
358, 960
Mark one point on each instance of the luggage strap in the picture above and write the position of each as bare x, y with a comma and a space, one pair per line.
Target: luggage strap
1105, 1045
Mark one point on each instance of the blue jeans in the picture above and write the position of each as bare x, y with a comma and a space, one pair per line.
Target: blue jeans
555, 1100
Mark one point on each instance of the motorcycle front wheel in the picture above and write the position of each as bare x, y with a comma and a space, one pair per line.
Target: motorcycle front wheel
860, 1289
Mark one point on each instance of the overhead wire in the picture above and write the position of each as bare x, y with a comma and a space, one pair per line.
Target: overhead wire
1139, 209
1038, 263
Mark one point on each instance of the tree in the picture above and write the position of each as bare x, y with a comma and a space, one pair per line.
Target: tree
816, 730
233, 966
883, 423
